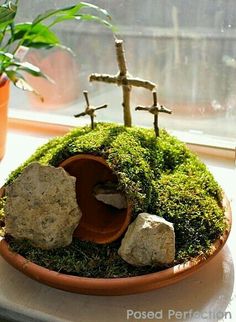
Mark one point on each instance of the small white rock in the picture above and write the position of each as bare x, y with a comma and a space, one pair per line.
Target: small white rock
108, 194
149, 240
41, 206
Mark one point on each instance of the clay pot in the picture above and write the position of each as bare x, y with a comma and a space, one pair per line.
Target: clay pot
113, 286
100, 223
61, 67
4, 98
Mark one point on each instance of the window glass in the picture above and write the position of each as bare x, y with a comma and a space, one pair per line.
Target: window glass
187, 47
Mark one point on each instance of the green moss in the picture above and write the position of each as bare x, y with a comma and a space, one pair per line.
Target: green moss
160, 176
82, 258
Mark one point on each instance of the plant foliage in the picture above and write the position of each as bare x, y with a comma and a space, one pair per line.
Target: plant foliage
37, 34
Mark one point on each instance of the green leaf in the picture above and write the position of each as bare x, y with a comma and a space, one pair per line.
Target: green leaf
10, 64
52, 12
87, 17
37, 36
29, 68
73, 13
2, 33
103, 11
6, 55
7, 12
6, 60
69, 11
19, 81
84, 17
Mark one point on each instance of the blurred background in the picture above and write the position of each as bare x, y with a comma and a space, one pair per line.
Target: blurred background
187, 47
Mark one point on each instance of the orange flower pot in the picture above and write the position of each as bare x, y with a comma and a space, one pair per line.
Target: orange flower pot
4, 98
100, 223
61, 67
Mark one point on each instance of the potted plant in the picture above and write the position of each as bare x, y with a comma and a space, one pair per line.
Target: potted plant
164, 184
36, 34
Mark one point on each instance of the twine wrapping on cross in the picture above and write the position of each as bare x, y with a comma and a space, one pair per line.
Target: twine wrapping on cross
154, 109
90, 110
123, 79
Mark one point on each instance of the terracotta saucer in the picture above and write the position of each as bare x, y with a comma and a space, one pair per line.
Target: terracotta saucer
114, 286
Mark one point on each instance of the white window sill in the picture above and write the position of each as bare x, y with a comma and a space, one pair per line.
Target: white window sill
211, 289
53, 124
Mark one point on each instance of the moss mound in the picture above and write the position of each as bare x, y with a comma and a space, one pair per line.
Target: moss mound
160, 176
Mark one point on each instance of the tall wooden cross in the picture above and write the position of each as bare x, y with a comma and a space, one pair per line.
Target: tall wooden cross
123, 79
154, 109
90, 110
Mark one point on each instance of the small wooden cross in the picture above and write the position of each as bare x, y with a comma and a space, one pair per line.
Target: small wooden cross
90, 110
124, 80
154, 109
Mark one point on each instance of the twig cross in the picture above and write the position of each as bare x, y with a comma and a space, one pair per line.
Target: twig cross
154, 109
123, 79
90, 110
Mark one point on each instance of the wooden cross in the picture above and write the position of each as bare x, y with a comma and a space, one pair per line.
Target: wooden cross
154, 109
124, 80
90, 110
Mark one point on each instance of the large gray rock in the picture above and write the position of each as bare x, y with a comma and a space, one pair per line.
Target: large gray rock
41, 206
149, 240
108, 194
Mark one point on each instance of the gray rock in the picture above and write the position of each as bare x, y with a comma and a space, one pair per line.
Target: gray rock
149, 240
41, 207
108, 194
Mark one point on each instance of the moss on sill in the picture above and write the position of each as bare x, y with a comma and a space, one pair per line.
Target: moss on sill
160, 176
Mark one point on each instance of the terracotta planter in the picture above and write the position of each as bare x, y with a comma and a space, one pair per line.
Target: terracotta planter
4, 98
61, 67
113, 286
100, 223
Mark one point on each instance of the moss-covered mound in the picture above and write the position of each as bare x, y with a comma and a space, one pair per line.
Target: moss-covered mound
160, 176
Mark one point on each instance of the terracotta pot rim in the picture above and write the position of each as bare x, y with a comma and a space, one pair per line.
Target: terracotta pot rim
85, 156
114, 286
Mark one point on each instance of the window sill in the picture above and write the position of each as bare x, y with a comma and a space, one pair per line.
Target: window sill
55, 125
